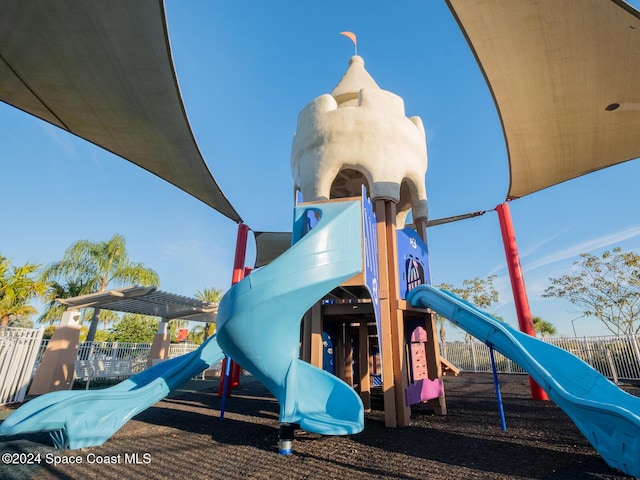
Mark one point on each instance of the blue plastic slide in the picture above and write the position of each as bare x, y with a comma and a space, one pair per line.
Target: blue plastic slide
258, 326
259, 319
605, 414
85, 418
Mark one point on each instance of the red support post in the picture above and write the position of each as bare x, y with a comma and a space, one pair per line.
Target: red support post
230, 375
241, 253
517, 285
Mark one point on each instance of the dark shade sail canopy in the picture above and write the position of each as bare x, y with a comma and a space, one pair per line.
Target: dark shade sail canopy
270, 245
565, 77
103, 71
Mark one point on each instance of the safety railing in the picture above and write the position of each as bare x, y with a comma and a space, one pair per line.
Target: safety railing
616, 357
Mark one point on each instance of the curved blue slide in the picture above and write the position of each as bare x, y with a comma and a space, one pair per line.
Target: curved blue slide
259, 319
85, 418
606, 415
258, 326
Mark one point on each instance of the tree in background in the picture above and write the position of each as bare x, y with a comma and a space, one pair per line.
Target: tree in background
479, 292
213, 295
605, 287
48, 332
98, 264
196, 334
134, 328
18, 286
20, 321
543, 327
71, 288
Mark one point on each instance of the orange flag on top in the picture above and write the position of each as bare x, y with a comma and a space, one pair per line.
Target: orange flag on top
351, 36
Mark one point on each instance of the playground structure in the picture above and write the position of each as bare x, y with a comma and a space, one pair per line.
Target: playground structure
352, 142
361, 272
342, 277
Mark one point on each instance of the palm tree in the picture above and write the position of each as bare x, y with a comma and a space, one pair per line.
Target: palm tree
213, 295
72, 288
96, 265
543, 327
196, 335
18, 286
20, 321
443, 334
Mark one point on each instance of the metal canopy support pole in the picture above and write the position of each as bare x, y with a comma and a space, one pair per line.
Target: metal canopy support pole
517, 285
238, 274
241, 253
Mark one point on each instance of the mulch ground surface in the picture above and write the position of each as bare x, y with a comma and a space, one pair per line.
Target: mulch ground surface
182, 437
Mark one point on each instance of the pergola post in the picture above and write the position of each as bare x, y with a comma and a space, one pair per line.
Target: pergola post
161, 341
58, 362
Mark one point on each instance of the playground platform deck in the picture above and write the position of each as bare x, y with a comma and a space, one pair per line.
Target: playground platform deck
182, 437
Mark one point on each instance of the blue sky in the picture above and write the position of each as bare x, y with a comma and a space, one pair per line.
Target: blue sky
245, 70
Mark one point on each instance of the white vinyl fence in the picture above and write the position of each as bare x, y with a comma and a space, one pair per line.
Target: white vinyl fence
19, 348
139, 352
614, 357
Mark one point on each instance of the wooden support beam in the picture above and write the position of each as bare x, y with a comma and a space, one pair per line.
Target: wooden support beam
348, 309
348, 356
316, 354
305, 348
400, 367
354, 281
338, 348
434, 363
385, 341
363, 361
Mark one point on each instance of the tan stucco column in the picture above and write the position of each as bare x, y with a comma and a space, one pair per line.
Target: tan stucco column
160, 345
58, 362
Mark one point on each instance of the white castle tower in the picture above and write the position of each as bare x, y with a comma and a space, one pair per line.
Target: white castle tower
359, 134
